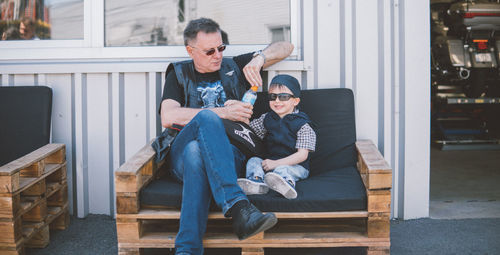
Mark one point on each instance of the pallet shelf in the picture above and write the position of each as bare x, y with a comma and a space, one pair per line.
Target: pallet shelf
33, 199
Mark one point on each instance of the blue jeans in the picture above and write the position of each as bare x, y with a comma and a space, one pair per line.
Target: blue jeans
292, 173
204, 160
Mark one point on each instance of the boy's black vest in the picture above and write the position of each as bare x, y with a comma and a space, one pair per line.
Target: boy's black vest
230, 75
281, 136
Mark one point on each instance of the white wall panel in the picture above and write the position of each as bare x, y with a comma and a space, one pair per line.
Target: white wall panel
135, 111
62, 124
328, 44
24, 80
367, 83
98, 128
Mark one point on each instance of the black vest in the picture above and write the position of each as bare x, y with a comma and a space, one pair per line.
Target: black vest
230, 75
281, 136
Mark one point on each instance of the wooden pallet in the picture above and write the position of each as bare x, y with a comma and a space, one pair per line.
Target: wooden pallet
33, 199
139, 227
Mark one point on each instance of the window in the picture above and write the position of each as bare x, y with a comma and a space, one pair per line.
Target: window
41, 19
157, 23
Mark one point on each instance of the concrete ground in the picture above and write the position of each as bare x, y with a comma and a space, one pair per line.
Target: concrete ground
465, 184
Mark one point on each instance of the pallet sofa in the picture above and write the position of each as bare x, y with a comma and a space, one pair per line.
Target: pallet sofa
345, 202
33, 184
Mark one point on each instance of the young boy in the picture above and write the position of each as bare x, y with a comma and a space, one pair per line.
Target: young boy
288, 139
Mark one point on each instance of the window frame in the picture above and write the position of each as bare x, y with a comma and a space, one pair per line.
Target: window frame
92, 46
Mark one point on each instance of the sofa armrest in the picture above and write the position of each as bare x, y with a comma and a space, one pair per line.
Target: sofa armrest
377, 177
376, 172
30, 165
132, 176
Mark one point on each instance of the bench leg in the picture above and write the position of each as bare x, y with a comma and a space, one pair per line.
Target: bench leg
378, 250
252, 251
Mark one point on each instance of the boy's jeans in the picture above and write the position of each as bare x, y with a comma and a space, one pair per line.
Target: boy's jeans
293, 173
205, 161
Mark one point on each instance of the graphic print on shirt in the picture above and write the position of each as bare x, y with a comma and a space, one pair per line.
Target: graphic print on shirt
211, 94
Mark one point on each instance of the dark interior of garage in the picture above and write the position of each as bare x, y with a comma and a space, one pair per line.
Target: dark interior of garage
465, 109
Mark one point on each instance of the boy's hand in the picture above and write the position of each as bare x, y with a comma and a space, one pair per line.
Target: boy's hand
269, 164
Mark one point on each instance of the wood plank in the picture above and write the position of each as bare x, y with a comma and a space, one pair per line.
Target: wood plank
29, 159
61, 222
379, 203
36, 189
383, 250
371, 158
175, 214
128, 230
9, 183
58, 196
128, 251
134, 165
228, 240
28, 203
40, 239
38, 213
377, 181
9, 205
127, 203
252, 251
59, 175
26, 182
19, 250
378, 227
34, 170
57, 157
128, 183
11, 230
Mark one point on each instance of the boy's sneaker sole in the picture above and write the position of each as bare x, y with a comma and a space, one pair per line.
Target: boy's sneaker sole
251, 187
280, 185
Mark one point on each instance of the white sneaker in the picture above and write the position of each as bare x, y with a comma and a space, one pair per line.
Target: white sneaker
280, 185
251, 187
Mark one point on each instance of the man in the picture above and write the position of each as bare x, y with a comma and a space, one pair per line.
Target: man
197, 94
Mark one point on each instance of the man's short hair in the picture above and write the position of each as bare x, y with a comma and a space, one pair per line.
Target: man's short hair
205, 25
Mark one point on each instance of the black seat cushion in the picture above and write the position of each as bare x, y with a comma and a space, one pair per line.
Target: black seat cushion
334, 183
25, 117
339, 190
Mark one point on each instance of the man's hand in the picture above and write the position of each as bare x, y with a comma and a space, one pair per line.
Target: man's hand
252, 71
269, 164
236, 111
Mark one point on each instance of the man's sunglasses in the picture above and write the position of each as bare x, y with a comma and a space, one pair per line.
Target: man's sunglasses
280, 96
211, 51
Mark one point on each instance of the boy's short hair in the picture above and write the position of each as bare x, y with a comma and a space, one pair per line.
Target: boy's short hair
288, 81
205, 25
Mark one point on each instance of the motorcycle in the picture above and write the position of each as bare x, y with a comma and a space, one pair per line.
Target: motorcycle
465, 46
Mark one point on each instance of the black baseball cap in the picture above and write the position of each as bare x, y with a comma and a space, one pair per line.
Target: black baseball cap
289, 81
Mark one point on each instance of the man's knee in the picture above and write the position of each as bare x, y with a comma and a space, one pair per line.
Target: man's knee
208, 116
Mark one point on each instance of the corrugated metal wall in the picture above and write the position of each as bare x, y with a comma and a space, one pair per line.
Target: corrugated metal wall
105, 110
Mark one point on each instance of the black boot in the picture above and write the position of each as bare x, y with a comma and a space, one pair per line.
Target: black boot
249, 221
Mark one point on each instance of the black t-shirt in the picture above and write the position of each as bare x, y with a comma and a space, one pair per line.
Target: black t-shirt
209, 85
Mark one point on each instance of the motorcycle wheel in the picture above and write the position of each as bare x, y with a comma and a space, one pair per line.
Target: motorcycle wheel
476, 85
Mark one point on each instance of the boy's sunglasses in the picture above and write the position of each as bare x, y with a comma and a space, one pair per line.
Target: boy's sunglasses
211, 51
280, 96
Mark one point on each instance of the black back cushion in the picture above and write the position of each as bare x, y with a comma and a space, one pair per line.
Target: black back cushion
332, 113
25, 114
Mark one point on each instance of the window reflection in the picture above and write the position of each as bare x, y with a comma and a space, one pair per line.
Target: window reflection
152, 22
41, 19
